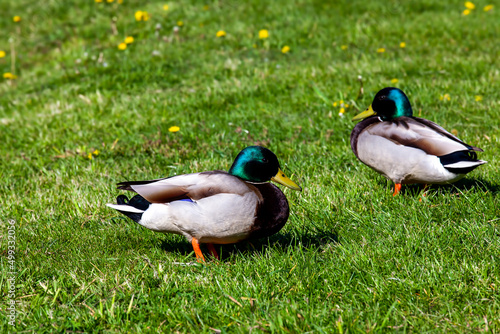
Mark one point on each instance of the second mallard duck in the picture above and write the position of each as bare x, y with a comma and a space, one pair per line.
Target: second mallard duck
407, 149
214, 207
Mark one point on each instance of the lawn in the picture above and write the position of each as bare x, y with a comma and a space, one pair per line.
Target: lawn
81, 110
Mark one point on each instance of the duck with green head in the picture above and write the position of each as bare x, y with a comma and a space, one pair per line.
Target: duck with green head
214, 207
408, 149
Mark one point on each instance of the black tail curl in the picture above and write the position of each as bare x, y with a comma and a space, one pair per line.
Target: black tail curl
137, 202
457, 157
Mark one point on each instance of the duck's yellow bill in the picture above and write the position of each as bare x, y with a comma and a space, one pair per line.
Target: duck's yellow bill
367, 113
281, 178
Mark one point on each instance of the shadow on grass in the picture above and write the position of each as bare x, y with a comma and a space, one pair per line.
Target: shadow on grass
310, 240
472, 184
462, 185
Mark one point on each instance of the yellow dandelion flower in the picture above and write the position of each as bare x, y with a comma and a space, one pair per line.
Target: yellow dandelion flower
141, 16
165, 7
220, 33
110, 1
335, 104
2, 53
488, 8
341, 101
394, 81
96, 152
120, 1
402, 45
129, 40
263, 34
206, 7
180, 23
16, 18
466, 12
346, 105
8, 75
445, 97
98, 1
478, 98
173, 128
122, 46
343, 47
469, 5
380, 50
285, 49
342, 110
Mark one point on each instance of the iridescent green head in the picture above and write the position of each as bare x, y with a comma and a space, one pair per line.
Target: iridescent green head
258, 164
388, 104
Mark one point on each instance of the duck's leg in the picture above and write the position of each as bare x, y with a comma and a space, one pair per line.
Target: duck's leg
397, 189
212, 251
424, 194
197, 250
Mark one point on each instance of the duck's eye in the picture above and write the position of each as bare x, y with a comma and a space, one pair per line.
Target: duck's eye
264, 160
383, 97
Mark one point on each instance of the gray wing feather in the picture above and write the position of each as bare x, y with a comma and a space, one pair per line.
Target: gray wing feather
193, 186
422, 134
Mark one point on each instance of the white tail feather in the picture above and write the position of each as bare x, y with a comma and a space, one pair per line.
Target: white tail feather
126, 208
465, 164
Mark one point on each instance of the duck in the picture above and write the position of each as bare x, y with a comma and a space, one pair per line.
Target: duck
213, 207
407, 149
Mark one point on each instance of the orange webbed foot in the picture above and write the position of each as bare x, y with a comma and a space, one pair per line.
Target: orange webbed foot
397, 189
196, 246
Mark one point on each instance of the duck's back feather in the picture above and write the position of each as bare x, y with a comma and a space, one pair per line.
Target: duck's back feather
439, 129
412, 132
188, 186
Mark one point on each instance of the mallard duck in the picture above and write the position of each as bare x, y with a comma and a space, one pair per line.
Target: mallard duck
214, 207
407, 149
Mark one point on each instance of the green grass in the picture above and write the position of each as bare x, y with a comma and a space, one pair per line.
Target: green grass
351, 258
